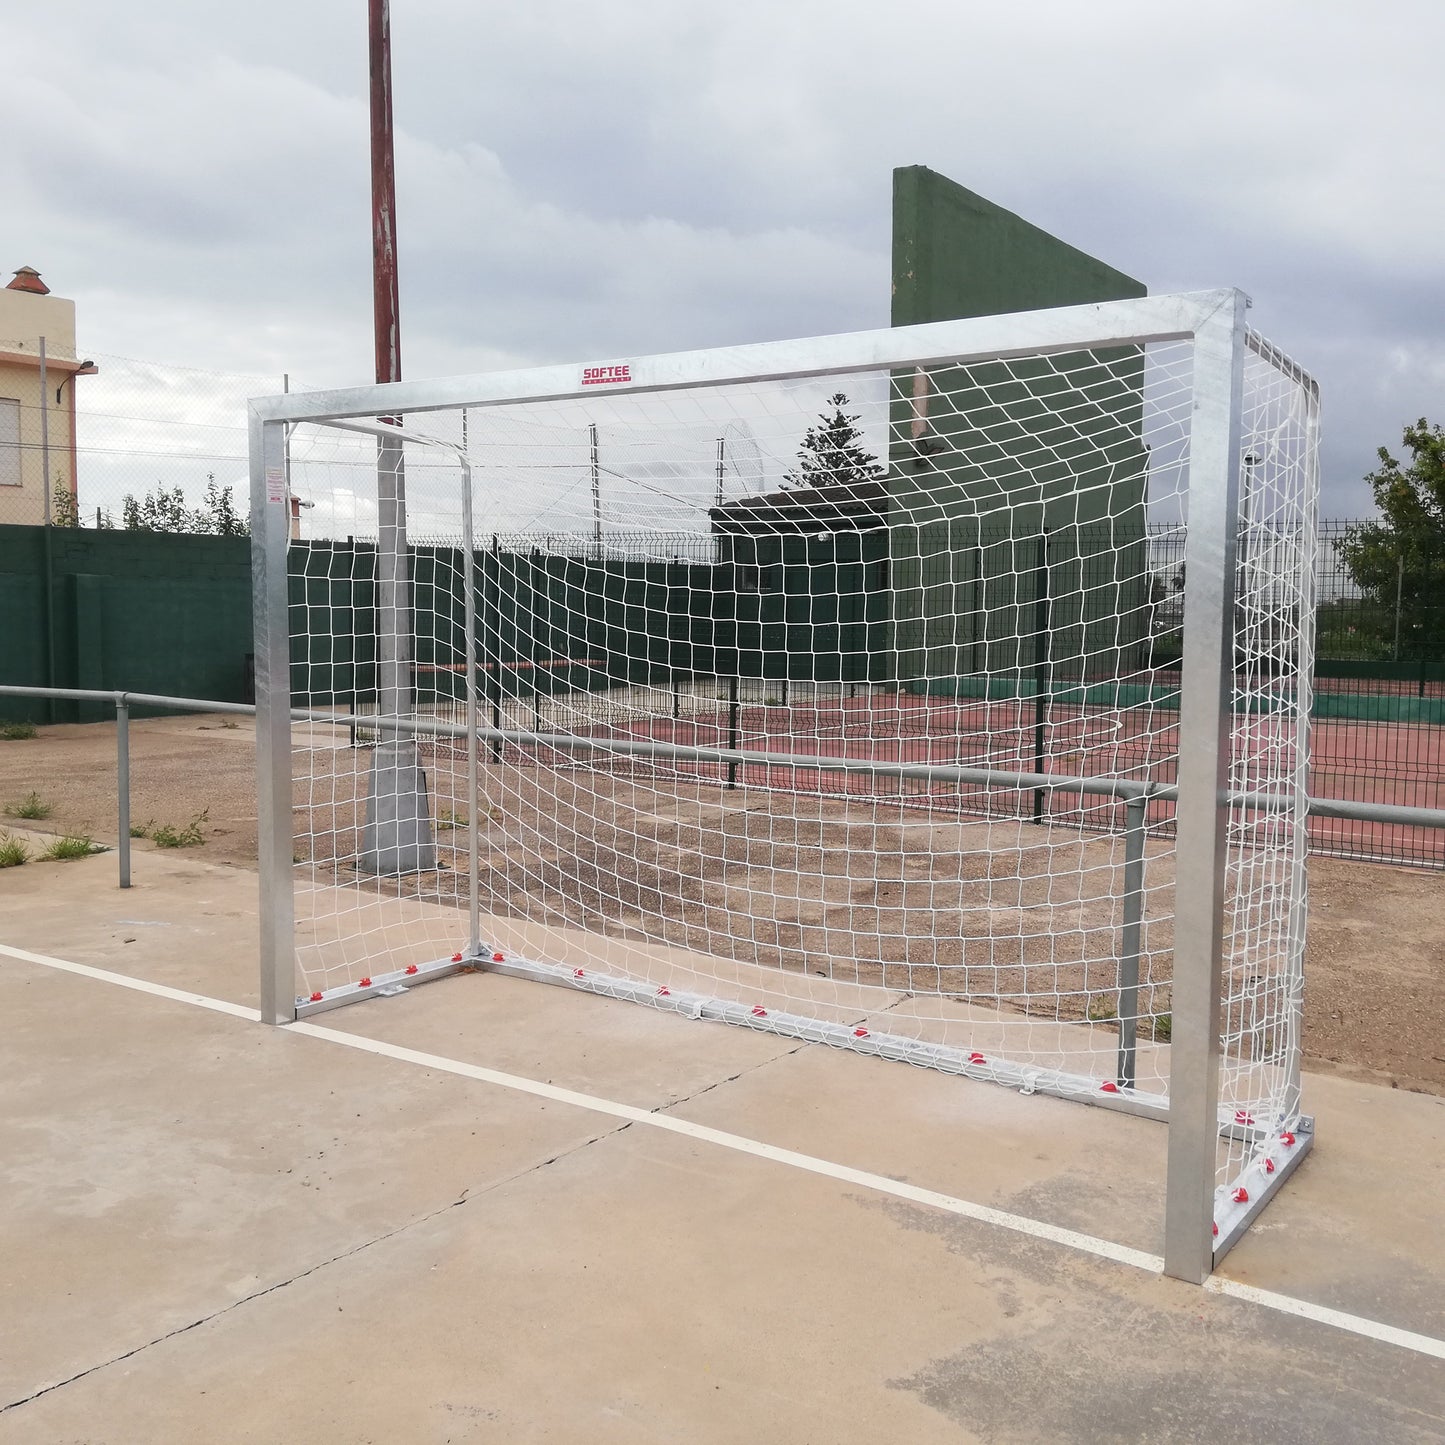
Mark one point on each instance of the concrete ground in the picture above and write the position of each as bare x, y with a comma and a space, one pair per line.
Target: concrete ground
216, 1231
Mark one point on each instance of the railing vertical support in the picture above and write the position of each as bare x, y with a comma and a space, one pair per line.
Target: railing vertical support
1135, 810
122, 785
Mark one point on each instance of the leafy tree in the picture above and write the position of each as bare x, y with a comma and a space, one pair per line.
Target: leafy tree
157, 511
166, 511
831, 452
219, 511
64, 510
1398, 562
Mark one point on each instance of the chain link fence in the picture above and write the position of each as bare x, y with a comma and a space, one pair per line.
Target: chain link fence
129, 444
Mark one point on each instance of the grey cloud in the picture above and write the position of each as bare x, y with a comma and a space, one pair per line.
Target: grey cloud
579, 180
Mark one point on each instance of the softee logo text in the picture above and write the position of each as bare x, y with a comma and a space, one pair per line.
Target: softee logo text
606, 375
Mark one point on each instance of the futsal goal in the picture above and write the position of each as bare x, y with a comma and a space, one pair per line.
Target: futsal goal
831, 688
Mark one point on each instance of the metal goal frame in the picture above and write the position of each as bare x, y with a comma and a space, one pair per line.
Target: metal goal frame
1212, 321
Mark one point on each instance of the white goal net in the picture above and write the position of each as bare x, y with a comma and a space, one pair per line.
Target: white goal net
843, 700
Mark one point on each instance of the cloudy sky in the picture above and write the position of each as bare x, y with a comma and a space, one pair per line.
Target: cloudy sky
579, 179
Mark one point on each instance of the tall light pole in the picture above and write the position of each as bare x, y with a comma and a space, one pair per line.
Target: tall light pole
398, 835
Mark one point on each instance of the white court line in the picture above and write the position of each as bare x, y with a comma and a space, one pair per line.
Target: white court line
739, 1143
140, 985
1070, 1238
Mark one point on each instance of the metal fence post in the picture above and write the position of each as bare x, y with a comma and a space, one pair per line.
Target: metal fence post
122, 785
1043, 682
492, 626
732, 730
1206, 721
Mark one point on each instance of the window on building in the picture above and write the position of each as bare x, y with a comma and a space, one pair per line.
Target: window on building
9, 442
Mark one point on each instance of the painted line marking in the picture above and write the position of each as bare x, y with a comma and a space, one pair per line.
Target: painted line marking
741, 1144
1322, 1315
139, 985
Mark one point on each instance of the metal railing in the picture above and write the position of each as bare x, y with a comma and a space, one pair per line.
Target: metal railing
1121, 789
1135, 794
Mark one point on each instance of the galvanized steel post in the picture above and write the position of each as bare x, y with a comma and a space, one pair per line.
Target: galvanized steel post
270, 536
1206, 721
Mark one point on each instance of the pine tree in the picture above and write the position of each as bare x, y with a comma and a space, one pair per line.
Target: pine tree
831, 455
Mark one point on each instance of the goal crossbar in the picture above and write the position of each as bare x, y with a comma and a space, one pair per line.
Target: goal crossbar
1059, 329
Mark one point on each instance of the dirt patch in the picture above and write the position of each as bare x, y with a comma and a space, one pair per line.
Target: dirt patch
179, 768
881, 891
1375, 973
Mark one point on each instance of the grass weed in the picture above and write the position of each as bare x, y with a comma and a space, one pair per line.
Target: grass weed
70, 845
165, 836
31, 806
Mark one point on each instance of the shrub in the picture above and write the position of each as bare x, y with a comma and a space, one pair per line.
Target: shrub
11, 732
31, 806
190, 836
13, 851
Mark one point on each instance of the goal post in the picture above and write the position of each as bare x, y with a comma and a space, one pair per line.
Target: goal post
829, 687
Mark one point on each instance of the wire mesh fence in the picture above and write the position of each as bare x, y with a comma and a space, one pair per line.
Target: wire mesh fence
136, 445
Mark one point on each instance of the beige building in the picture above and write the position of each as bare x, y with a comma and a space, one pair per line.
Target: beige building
37, 416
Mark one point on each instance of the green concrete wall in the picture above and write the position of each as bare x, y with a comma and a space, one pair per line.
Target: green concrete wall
956, 254
800, 608
171, 614
143, 611
985, 460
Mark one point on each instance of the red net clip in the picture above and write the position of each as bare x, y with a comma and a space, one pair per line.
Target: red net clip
977, 1059
1269, 1166
499, 958
411, 968
315, 998
1243, 1116
456, 958
860, 1033
664, 993
759, 1012
577, 973
1216, 1231
365, 983
1109, 1087
1240, 1195
1287, 1139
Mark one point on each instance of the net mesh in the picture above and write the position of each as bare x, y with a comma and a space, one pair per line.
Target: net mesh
819, 700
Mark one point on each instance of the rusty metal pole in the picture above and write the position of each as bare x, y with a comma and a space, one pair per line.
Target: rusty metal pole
393, 611
386, 302
398, 837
